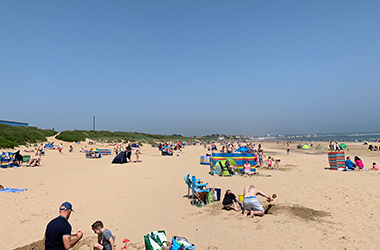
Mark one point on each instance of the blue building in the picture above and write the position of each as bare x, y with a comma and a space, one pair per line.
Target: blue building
12, 123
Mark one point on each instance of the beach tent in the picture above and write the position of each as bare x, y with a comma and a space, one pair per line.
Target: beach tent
220, 167
342, 145
365, 143
306, 146
121, 158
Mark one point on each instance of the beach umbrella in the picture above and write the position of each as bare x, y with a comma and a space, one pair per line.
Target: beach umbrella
94, 150
242, 149
306, 146
342, 145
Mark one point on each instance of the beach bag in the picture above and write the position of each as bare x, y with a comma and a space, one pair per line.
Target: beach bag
181, 243
155, 240
210, 197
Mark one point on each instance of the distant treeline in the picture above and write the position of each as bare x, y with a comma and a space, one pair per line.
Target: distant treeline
11, 136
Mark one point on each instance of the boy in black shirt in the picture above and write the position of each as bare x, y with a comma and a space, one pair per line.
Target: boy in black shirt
230, 201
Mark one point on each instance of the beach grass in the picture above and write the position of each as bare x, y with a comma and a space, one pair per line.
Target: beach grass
13, 136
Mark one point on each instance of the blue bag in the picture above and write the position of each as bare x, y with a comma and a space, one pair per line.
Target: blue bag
178, 242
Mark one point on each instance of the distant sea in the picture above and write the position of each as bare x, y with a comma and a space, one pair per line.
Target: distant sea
345, 137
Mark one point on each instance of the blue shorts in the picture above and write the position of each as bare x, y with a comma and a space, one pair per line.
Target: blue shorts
251, 203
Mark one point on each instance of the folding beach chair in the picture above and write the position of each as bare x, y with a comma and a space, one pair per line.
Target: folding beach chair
189, 183
25, 158
199, 192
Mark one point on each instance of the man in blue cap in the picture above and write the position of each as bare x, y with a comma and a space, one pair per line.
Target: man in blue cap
58, 231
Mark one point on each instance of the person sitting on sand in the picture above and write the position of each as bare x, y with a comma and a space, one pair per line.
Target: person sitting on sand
106, 239
230, 201
251, 205
58, 231
350, 166
35, 160
231, 169
247, 168
17, 158
374, 166
359, 163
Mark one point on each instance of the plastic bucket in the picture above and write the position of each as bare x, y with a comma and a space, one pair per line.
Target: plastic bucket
241, 197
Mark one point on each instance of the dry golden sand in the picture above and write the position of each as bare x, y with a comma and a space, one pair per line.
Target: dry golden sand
314, 209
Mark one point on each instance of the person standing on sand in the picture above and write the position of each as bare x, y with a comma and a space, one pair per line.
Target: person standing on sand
60, 148
58, 231
251, 205
40, 149
129, 152
287, 149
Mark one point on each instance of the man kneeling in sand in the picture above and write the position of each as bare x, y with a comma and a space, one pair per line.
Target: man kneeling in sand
251, 205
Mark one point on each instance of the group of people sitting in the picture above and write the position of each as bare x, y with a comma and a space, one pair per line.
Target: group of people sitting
168, 150
373, 148
16, 158
358, 165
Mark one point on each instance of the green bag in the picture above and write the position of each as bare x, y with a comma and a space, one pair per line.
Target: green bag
155, 240
210, 196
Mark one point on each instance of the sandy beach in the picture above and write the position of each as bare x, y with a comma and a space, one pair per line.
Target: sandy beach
315, 208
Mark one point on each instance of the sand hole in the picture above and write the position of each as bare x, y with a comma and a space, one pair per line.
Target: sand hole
301, 212
286, 167
84, 243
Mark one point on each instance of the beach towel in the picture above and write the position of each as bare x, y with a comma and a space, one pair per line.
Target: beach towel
12, 190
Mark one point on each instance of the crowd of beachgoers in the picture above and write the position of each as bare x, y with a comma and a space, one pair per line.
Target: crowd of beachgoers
248, 204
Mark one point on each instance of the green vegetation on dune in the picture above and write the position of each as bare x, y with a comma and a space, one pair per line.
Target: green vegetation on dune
107, 136
11, 136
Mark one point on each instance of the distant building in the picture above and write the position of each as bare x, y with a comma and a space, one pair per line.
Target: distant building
13, 123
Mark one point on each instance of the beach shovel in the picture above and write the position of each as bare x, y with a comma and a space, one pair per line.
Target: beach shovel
125, 241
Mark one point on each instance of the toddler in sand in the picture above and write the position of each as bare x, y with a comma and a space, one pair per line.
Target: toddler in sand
374, 166
269, 162
106, 239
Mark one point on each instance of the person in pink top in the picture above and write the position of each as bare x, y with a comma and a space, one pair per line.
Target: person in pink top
374, 166
359, 163
247, 168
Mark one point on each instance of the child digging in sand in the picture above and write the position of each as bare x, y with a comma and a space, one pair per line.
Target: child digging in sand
374, 166
106, 240
230, 201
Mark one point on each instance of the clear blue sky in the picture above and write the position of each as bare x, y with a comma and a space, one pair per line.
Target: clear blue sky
192, 67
